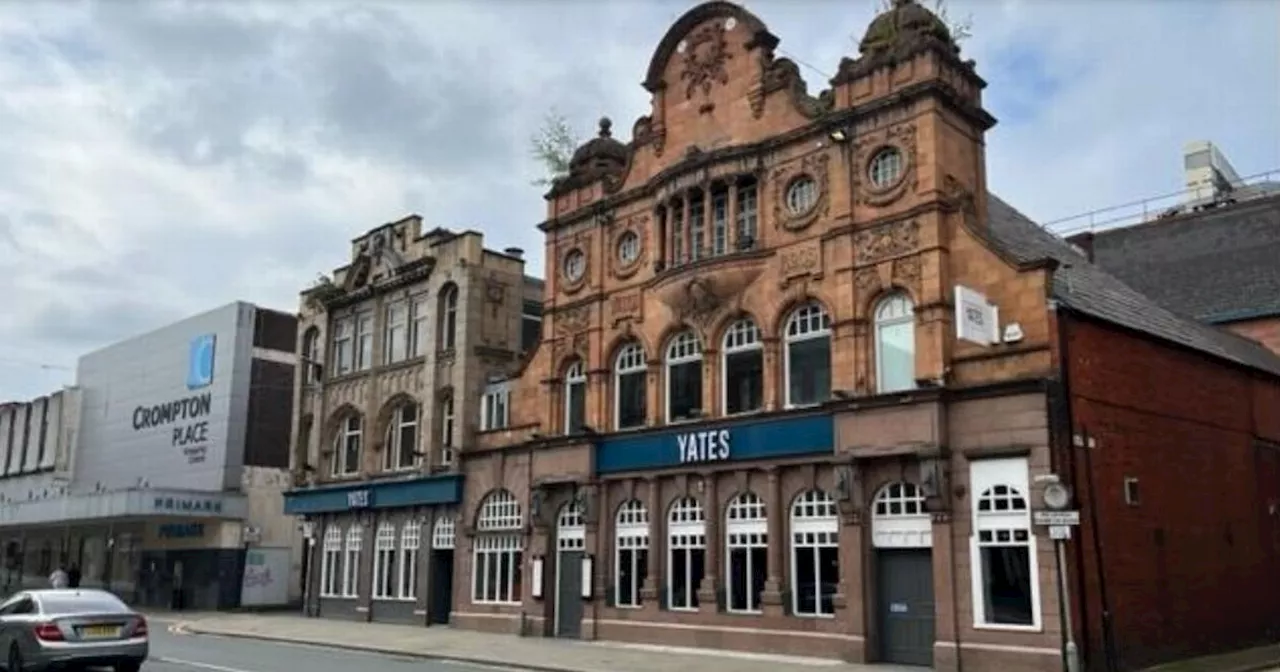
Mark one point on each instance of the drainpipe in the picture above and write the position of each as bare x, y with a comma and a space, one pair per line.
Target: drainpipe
1068, 463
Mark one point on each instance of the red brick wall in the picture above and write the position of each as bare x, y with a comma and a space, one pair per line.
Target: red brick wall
1193, 567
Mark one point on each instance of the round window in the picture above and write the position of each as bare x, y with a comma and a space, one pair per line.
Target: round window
801, 195
575, 265
628, 248
885, 168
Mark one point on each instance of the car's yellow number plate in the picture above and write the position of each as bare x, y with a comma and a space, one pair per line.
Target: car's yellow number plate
100, 631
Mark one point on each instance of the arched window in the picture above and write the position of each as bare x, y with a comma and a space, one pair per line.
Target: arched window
815, 554
351, 561
686, 553
1006, 581
684, 377
575, 397
631, 558
331, 563
807, 356
571, 528
899, 518
346, 446
499, 551
629, 387
742, 368
895, 344
446, 430
400, 448
384, 562
747, 561
311, 356
410, 542
448, 316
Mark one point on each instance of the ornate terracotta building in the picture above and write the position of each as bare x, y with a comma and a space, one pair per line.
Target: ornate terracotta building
803, 383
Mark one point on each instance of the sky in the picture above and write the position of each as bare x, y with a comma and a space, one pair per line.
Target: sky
159, 159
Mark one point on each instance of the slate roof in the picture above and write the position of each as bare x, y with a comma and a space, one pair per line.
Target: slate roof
1218, 265
1087, 288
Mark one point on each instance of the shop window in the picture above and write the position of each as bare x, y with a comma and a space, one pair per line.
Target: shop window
684, 377
499, 551
384, 562
494, 406
630, 372
400, 448
807, 357
742, 368
631, 562
575, 397
331, 563
448, 316
419, 331
344, 354
895, 344
748, 217
686, 553
364, 341
410, 541
446, 430
310, 355
747, 541
1005, 575
351, 560
815, 554
346, 446
395, 332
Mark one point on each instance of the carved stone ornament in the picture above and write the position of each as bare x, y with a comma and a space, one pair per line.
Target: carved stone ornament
906, 272
901, 137
815, 166
802, 259
705, 58
699, 300
867, 280
572, 320
625, 306
886, 241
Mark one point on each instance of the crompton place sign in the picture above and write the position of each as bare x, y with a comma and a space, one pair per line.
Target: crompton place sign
186, 418
754, 439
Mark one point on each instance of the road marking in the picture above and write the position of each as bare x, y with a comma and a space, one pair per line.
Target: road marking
193, 663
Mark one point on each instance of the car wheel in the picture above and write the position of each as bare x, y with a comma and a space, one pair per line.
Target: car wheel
15, 659
129, 666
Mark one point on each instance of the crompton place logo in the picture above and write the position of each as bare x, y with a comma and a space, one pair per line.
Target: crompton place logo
200, 361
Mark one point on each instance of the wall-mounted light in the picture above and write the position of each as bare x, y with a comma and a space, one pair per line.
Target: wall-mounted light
838, 135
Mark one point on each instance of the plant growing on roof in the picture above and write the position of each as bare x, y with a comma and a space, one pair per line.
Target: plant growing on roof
553, 146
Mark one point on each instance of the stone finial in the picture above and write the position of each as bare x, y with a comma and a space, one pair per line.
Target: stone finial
606, 126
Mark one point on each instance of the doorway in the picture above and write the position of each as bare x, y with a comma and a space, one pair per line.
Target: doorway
571, 544
441, 593
902, 532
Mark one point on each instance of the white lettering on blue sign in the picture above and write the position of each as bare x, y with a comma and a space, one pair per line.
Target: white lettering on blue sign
708, 446
358, 499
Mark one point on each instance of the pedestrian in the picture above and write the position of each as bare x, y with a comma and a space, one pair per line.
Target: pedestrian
73, 576
59, 578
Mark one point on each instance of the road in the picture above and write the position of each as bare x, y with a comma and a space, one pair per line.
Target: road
201, 653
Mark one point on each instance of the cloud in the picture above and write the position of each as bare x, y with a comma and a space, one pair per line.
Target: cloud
159, 159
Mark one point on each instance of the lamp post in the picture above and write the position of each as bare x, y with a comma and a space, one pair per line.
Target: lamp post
1057, 515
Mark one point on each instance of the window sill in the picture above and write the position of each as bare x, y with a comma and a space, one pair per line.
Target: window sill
996, 627
735, 612
495, 604
684, 610
815, 617
629, 607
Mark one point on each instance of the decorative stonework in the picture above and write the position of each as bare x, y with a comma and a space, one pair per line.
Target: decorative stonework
867, 280
903, 138
636, 224
886, 241
571, 285
625, 306
800, 260
817, 167
573, 320
699, 300
906, 272
706, 56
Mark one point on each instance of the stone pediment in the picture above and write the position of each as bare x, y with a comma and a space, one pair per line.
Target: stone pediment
700, 294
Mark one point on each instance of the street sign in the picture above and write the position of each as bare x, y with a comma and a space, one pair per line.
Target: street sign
1056, 517
1059, 532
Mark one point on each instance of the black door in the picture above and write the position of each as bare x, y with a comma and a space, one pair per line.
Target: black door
905, 605
441, 587
569, 594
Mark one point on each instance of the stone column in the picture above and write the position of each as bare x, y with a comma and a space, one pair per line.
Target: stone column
708, 591
852, 598
731, 213
771, 600
775, 377
687, 233
944, 577
426, 522
657, 556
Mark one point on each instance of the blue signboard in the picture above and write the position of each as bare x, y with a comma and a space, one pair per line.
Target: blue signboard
200, 361
425, 491
703, 443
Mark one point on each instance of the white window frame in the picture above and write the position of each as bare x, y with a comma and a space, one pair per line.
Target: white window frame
310, 355
410, 543
810, 321
631, 533
419, 325
495, 406
885, 168
395, 332
815, 523
443, 535
384, 562
446, 430
802, 194
893, 310
351, 429
344, 353
351, 561
449, 317
576, 375
500, 523
628, 248
748, 216
393, 450
630, 361
743, 336
746, 526
984, 475
364, 340
687, 532
900, 517
331, 563
683, 348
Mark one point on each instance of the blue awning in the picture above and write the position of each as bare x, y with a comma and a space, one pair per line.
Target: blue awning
419, 491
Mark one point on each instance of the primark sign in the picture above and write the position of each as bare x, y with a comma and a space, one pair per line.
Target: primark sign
186, 418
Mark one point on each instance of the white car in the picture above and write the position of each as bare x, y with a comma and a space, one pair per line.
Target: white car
43, 630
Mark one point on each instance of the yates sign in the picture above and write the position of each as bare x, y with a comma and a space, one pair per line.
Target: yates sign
711, 445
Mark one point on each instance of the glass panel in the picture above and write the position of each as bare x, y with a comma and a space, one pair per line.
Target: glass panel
806, 581
828, 578
577, 407
1006, 574
897, 357
744, 381
626, 585
697, 570
738, 579
680, 578
631, 400
685, 389
810, 371
759, 572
